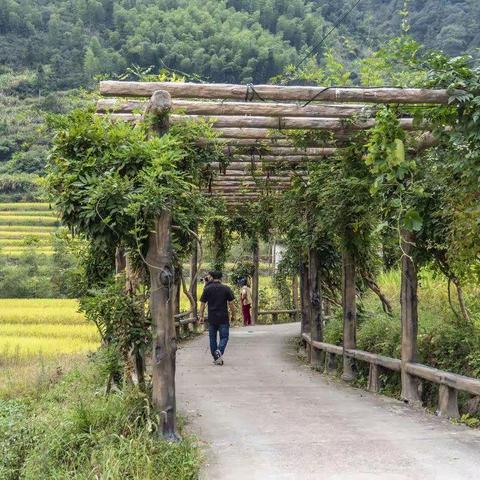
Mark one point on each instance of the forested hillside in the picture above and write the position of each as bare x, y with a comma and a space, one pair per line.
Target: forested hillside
56, 45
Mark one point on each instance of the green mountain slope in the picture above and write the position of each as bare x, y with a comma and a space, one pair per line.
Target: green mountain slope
52, 46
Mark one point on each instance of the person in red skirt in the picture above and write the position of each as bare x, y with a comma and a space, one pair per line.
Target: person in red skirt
246, 301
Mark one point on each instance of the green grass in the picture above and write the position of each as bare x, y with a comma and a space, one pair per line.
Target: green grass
74, 431
16, 252
29, 213
20, 242
24, 206
24, 220
33, 229
19, 235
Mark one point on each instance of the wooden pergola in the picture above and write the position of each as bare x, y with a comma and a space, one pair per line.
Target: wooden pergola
251, 122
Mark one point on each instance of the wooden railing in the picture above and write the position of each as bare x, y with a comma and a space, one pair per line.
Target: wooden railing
450, 383
275, 313
185, 322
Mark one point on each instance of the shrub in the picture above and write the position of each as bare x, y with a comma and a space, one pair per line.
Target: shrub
76, 432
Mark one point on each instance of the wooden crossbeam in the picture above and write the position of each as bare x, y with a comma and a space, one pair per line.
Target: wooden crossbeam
266, 109
288, 123
319, 154
285, 165
224, 123
279, 151
277, 92
280, 142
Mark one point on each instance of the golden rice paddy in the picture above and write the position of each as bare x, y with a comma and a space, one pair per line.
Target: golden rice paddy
47, 328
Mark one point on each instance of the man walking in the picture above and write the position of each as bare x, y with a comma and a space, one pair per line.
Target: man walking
219, 298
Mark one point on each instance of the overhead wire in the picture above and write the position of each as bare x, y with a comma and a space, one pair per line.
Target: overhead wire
332, 29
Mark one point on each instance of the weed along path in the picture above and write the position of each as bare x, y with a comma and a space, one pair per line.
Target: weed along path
265, 416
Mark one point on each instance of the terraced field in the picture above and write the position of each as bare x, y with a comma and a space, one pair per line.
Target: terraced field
39, 337
25, 227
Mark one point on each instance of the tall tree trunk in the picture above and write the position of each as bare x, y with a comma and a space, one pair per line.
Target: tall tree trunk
162, 279
255, 280
315, 300
409, 318
349, 314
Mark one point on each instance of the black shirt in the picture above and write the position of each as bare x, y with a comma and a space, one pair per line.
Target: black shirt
217, 295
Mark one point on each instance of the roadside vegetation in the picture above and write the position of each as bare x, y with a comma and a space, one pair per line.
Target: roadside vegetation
74, 431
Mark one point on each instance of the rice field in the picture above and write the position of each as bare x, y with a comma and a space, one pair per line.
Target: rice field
43, 327
26, 227
38, 338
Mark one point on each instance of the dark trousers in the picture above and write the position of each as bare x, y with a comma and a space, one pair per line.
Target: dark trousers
247, 319
222, 331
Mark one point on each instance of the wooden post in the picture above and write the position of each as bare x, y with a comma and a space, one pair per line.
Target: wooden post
255, 280
315, 300
374, 378
193, 277
162, 279
304, 289
409, 318
294, 317
448, 402
177, 289
349, 314
330, 363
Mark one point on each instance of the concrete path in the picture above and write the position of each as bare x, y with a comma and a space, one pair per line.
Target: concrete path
264, 415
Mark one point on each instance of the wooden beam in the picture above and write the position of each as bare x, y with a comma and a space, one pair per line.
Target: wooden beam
275, 123
266, 151
277, 92
289, 123
265, 166
280, 142
195, 107
316, 154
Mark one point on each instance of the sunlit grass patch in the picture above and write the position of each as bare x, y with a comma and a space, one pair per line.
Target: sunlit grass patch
29, 213
24, 242
19, 235
83, 332
21, 348
28, 220
34, 375
40, 311
33, 229
41, 206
